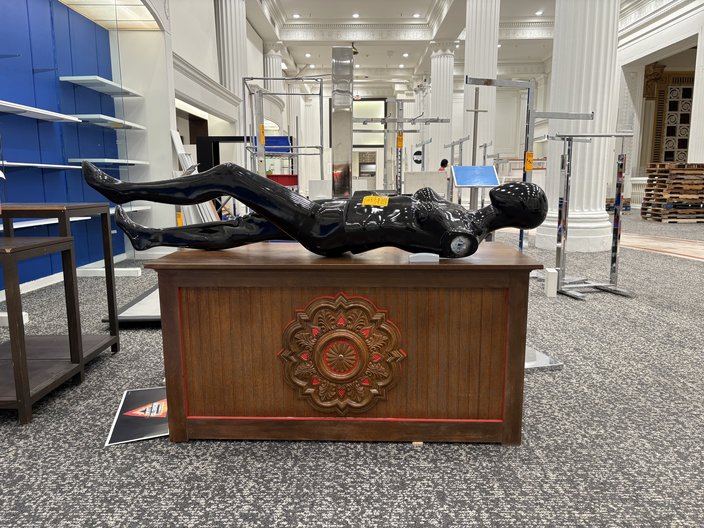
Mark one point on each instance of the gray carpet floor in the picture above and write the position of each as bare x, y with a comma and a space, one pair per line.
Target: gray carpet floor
615, 438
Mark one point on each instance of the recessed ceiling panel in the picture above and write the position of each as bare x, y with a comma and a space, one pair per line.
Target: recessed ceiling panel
369, 11
115, 14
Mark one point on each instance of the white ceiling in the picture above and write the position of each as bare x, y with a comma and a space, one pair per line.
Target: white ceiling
385, 29
374, 11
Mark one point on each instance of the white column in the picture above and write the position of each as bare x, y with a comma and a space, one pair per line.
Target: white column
309, 166
480, 57
272, 65
442, 62
584, 79
231, 22
696, 129
630, 109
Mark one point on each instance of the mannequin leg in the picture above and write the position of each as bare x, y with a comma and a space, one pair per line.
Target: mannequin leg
213, 235
302, 219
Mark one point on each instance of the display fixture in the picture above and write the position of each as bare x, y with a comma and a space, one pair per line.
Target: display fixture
32, 366
59, 65
255, 147
99, 84
421, 223
570, 287
31, 112
109, 122
270, 341
63, 213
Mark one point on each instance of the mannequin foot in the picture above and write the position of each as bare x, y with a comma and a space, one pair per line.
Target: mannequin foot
139, 235
104, 183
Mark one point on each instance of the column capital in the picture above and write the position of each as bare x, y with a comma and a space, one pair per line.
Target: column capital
442, 47
274, 48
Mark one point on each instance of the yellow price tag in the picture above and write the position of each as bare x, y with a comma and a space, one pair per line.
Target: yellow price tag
376, 201
529, 161
399, 139
262, 137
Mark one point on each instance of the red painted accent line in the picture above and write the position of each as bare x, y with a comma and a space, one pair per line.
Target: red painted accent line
344, 419
183, 357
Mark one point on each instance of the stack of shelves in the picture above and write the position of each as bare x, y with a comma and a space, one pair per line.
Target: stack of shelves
674, 193
113, 89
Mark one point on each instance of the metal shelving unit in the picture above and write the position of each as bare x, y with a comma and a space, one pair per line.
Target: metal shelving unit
255, 140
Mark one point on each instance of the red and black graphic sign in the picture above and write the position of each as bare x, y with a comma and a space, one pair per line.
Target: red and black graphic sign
142, 414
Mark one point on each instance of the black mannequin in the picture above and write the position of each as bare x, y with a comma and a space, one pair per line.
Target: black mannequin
423, 222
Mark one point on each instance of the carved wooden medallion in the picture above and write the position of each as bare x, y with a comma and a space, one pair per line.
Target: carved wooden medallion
341, 353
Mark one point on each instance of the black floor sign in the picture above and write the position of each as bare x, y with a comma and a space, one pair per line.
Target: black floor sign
142, 415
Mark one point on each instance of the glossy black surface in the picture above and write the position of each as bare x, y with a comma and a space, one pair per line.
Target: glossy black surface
423, 222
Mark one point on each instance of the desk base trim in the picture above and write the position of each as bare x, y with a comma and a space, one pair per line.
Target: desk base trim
342, 430
345, 419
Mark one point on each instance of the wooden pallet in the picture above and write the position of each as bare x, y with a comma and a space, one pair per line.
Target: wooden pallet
674, 193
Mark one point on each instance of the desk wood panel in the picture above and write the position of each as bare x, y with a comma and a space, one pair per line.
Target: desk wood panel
232, 338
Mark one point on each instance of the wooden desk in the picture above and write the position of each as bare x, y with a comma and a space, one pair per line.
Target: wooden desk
269, 341
32, 366
64, 213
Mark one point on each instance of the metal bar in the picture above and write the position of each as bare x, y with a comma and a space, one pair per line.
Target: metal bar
450, 180
413, 121
616, 231
528, 146
565, 115
603, 135
399, 146
292, 147
563, 212
322, 132
474, 193
503, 83
366, 131
423, 143
259, 131
457, 141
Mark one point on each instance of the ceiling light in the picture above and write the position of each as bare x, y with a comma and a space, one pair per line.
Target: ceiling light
405, 54
311, 66
416, 15
355, 15
498, 45
296, 15
539, 13
356, 65
457, 45
122, 14
307, 55
401, 66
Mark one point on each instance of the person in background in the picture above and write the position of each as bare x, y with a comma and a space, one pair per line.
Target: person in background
443, 166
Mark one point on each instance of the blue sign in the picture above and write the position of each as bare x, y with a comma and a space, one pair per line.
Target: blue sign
475, 176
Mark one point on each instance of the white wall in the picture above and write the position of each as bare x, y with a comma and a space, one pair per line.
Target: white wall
255, 53
508, 114
145, 66
194, 38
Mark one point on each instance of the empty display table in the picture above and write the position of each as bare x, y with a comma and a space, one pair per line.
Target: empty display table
32, 366
63, 213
